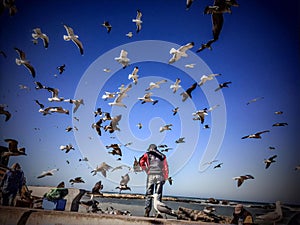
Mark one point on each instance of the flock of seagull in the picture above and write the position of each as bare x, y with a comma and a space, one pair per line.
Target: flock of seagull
216, 11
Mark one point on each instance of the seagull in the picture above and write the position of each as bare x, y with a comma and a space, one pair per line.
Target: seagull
180, 52
98, 126
38, 34
170, 180
279, 124
120, 96
13, 149
5, 112
116, 149
200, 115
61, 68
256, 135
122, 59
165, 127
108, 95
254, 100
206, 45
134, 76
98, 112
206, 126
223, 85
175, 110
103, 168
129, 34
180, 140
120, 167
188, 4
39, 104
39, 85
269, 161
90, 203
218, 166
147, 98
138, 22
10, 5
24, 87
85, 159
106, 70
278, 112
139, 125
67, 148
123, 183
47, 173
54, 97
73, 37
271, 217
107, 25
176, 85
57, 110
115, 122
76, 102
161, 208
3, 53
188, 92
206, 78
76, 180
22, 61
68, 129
136, 166
190, 66
153, 85
211, 162
241, 179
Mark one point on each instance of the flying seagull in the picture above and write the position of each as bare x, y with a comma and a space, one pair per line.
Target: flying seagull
206, 78
175, 110
61, 68
108, 95
39, 85
269, 161
134, 76
200, 115
38, 34
73, 37
107, 25
254, 100
47, 173
241, 179
5, 112
138, 22
3, 53
76, 102
256, 135
279, 124
54, 97
180, 140
190, 66
188, 92
98, 126
122, 94
147, 98
129, 34
123, 183
206, 45
122, 59
180, 52
188, 4
223, 85
76, 180
176, 85
22, 61
218, 166
165, 127
39, 104
153, 85
103, 168
67, 148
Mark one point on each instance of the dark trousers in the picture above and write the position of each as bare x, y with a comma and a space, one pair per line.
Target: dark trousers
154, 184
8, 199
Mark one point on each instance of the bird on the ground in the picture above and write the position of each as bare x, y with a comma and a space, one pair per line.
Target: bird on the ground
107, 25
147, 98
180, 140
206, 78
180, 52
138, 21
71, 36
38, 34
47, 173
162, 208
22, 61
165, 127
175, 110
279, 124
92, 203
54, 93
134, 76
61, 68
76, 102
223, 85
124, 183
188, 93
153, 85
122, 59
76, 180
256, 135
103, 168
269, 161
5, 112
242, 178
271, 217
176, 85
67, 148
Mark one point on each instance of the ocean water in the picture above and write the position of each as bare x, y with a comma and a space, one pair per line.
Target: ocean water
136, 206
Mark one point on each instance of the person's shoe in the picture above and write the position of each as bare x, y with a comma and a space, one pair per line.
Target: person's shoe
147, 212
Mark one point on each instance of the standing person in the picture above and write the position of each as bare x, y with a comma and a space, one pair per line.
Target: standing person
154, 163
241, 216
11, 184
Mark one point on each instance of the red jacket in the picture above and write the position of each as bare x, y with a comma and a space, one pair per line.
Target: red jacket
144, 164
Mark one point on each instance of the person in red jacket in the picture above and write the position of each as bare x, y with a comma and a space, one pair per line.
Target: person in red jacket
154, 163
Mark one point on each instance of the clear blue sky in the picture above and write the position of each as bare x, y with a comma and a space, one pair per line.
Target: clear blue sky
258, 51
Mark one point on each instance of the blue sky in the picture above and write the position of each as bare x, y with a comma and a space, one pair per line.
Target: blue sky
258, 51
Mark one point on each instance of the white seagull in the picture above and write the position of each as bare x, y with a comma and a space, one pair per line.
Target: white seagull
120, 96
161, 208
103, 168
76, 102
180, 140
200, 115
129, 34
241, 179
147, 98
165, 127
54, 97
134, 76
122, 59
22, 61
206, 78
153, 85
38, 34
176, 85
108, 95
271, 217
73, 37
180, 52
47, 173
67, 148
138, 22
190, 66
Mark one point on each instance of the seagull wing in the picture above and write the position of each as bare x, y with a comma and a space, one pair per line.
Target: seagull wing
217, 23
79, 45
186, 47
190, 89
